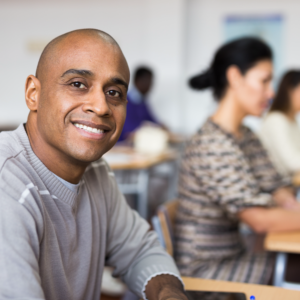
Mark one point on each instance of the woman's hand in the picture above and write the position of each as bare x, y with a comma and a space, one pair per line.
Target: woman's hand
284, 197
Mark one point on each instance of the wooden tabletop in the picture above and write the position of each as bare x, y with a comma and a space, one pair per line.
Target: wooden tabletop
261, 292
175, 138
123, 157
283, 242
296, 179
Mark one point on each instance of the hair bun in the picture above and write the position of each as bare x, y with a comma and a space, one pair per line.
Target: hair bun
201, 81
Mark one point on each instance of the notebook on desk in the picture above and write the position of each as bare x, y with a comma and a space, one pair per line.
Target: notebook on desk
196, 295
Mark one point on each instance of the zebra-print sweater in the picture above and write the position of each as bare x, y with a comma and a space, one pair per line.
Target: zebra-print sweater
220, 176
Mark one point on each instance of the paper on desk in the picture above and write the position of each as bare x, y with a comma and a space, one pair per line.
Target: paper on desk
117, 157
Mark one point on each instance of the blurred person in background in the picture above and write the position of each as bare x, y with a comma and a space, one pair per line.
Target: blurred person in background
138, 110
226, 176
280, 132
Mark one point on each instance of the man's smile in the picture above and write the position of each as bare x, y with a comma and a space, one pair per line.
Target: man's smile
91, 130
88, 129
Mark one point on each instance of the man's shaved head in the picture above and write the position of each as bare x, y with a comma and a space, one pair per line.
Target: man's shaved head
77, 101
49, 53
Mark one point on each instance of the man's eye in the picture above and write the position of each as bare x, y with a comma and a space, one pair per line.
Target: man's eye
78, 85
113, 93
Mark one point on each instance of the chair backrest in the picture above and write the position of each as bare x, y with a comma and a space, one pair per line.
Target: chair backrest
163, 224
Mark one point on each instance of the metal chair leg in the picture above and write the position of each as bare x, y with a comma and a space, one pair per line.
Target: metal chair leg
142, 204
280, 267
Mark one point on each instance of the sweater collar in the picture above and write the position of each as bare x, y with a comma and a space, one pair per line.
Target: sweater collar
55, 186
228, 134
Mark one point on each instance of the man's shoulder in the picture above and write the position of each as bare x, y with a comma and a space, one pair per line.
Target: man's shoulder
14, 173
10, 147
18, 191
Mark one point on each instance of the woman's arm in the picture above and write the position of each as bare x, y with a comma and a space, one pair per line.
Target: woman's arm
263, 220
285, 197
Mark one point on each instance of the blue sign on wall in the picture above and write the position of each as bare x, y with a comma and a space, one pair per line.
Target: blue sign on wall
267, 27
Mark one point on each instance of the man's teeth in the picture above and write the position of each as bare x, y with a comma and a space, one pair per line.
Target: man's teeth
88, 129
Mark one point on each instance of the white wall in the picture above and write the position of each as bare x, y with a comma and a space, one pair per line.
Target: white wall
205, 35
149, 31
176, 37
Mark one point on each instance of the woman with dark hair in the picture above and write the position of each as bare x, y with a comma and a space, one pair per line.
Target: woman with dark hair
280, 132
226, 176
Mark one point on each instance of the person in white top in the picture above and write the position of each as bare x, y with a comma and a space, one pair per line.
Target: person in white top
280, 132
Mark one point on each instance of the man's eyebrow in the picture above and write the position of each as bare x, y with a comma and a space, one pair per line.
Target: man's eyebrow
120, 81
78, 72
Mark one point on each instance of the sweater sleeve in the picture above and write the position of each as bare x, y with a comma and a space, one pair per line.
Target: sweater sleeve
19, 242
132, 249
277, 135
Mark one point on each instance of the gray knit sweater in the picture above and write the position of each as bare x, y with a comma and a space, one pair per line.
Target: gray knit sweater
54, 243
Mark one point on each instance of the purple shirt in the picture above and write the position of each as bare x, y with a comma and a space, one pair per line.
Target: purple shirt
137, 112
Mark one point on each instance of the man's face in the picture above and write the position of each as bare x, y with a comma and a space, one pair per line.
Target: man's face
144, 84
82, 103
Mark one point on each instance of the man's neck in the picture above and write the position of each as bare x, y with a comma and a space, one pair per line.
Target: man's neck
56, 161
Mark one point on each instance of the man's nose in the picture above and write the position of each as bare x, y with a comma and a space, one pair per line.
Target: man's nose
97, 104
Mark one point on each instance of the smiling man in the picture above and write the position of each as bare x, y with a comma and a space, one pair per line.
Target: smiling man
62, 216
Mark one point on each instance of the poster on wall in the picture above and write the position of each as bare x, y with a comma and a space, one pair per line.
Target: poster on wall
267, 27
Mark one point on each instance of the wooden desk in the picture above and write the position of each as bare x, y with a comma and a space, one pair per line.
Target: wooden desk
296, 179
122, 157
125, 158
283, 243
261, 292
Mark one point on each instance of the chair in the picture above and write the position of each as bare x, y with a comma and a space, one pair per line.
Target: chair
163, 224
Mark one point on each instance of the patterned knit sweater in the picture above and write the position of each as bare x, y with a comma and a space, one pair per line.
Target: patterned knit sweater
220, 176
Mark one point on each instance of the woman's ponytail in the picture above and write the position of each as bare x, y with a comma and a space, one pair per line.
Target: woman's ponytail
201, 81
243, 53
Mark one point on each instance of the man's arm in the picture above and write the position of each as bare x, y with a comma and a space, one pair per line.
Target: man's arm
19, 249
132, 249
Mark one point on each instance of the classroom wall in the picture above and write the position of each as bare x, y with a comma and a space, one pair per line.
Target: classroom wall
205, 35
148, 31
175, 37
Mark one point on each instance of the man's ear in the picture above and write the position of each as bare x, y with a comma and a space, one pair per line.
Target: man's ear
32, 92
234, 76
